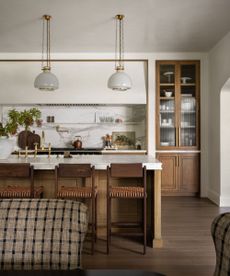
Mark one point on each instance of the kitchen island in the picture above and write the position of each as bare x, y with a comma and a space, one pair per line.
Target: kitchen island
43, 165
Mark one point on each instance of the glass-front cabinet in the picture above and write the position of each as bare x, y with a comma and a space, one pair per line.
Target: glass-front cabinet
177, 104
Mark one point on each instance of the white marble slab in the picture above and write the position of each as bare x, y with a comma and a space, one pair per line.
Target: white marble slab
99, 161
91, 122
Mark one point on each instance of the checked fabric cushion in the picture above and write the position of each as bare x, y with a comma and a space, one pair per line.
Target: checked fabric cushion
41, 234
221, 236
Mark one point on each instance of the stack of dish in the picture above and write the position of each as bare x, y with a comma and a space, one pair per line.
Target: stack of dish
165, 143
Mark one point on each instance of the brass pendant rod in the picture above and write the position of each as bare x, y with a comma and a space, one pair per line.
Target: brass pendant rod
48, 63
119, 42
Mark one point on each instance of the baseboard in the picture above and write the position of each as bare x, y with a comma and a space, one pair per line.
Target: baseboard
224, 201
214, 197
221, 201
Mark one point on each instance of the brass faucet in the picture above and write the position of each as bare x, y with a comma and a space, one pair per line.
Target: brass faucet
26, 152
49, 150
35, 149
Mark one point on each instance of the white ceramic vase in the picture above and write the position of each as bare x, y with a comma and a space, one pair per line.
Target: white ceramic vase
6, 147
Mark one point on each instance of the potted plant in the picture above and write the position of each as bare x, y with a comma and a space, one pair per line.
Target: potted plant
6, 145
25, 118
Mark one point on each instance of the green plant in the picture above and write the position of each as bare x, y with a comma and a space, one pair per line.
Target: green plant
3, 130
28, 117
24, 118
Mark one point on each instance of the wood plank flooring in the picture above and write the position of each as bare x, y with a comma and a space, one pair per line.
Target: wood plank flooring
188, 247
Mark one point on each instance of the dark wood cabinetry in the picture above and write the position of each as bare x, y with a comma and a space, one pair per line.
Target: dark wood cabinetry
180, 174
178, 125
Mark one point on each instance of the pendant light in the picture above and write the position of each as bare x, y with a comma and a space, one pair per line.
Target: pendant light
46, 80
119, 81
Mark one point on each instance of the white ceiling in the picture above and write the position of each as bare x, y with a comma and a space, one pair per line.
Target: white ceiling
88, 25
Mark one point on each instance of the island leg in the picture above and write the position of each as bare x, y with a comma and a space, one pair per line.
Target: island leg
157, 238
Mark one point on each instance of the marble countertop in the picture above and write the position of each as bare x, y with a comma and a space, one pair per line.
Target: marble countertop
123, 151
99, 161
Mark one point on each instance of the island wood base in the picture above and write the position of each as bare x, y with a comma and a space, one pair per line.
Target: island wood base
127, 210
156, 213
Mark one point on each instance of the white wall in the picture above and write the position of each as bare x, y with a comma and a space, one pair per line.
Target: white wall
151, 85
80, 82
224, 142
219, 72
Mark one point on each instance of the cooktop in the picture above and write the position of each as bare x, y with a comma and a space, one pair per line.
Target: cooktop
73, 149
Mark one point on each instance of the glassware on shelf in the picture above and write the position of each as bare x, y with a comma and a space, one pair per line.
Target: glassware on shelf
177, 102
188, 104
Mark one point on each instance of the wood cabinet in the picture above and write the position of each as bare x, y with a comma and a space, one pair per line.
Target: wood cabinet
180, 174
178, 125
177, 105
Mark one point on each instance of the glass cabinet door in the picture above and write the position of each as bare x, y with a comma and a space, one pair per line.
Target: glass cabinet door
177, 104
167, 121
188, 106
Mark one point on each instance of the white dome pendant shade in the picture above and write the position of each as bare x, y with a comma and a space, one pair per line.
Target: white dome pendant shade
119, 81
46, 81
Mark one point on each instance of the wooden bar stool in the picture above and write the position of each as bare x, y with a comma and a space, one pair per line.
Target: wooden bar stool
134, 170
82, 172
19, 171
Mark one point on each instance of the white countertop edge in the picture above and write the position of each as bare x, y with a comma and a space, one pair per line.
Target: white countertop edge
99, 161
178, 151
124, 151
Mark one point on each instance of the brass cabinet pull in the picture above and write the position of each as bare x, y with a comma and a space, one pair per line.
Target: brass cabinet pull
179, 137
177, 161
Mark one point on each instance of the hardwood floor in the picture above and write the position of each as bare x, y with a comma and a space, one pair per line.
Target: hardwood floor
188, 247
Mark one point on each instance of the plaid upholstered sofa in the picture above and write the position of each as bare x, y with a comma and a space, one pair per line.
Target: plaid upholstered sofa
220, 230
42, 234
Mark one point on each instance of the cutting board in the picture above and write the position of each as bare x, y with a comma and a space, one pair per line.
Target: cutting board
32, 139
28, 138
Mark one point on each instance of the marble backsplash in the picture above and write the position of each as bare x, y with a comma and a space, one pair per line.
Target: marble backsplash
61, 123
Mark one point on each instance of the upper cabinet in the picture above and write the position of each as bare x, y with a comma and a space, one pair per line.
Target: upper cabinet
177, 104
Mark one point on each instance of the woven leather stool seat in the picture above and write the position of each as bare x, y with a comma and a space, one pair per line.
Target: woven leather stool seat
122, 190
20, 192
17, 172
72, 192
127, 192
84, 177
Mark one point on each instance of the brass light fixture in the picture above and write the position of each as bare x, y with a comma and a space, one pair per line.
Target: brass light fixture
119, 81
46, 80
